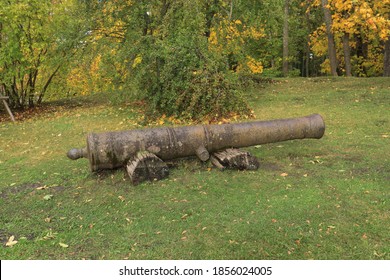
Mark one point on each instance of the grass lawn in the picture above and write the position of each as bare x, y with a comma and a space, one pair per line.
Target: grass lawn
310, 199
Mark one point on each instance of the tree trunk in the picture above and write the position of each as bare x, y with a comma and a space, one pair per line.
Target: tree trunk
307, 62
331, 44
285, 38
386, 61
47, 84
307, 44
231, 10
347, 55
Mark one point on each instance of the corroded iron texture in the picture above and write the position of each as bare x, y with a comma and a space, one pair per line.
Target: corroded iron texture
113, 149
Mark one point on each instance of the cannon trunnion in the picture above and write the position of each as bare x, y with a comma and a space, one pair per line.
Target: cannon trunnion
111, 150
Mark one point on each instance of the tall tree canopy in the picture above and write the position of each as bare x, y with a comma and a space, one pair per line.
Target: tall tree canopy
36, 39
184, 58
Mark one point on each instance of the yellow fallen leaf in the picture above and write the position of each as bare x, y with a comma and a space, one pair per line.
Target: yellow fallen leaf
184, 216
284, 174
63, 245
11, 241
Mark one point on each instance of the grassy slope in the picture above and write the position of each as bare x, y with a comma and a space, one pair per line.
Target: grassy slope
333, 204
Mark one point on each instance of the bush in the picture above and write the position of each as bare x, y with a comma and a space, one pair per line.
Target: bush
178, 74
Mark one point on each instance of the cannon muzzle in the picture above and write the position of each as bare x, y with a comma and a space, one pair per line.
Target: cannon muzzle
113, 149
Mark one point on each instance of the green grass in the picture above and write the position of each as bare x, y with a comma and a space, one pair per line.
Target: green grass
333, 204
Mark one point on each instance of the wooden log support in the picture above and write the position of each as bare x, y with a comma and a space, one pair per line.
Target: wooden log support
146, 166
235, 159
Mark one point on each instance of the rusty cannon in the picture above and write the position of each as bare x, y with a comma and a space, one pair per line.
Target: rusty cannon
111, 150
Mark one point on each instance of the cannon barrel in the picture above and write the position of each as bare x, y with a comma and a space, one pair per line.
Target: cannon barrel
110, 150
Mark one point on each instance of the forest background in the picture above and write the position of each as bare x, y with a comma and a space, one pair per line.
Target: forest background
181, 58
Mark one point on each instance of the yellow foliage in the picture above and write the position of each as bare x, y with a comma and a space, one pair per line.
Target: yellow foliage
325, 67
255, 66
137, 60
366, 18
319, 41
230, 37
78, 81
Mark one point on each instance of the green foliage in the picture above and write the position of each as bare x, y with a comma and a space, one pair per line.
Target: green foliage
36, 39
185, 58
178, 74
272, 73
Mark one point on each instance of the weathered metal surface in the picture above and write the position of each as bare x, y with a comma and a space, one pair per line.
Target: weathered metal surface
113, 149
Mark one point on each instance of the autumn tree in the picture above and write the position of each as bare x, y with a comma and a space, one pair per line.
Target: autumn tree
330, 36
182, 57
360, 30
36, 39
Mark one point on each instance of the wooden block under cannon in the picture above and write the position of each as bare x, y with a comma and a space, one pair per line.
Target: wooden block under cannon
146, 166
235, 159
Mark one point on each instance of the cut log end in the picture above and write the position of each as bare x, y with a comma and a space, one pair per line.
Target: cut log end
235, 159
146, 166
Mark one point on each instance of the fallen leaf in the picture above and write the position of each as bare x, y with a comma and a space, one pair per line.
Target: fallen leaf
11, 241
364, 236
274, 220
63, 245
48, 197
184, 216
284, 174
121, 198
